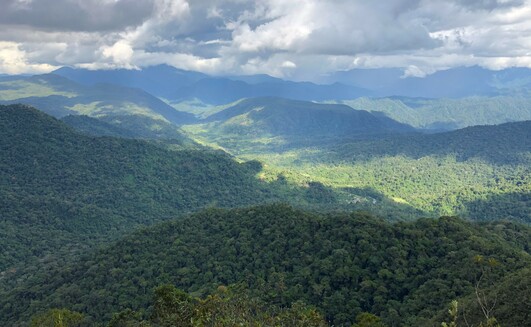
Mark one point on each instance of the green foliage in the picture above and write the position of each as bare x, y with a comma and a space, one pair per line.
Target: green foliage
126, 126
173, 307
127, 318
366, 319
479, 172
453, 312
61, 192
226, 307
57, 318
343, 264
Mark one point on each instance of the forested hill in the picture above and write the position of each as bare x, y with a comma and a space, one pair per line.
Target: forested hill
343, 264
133, 109
508, 143
60, 189
278, 116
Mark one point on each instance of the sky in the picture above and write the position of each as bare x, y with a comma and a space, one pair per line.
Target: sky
292, 39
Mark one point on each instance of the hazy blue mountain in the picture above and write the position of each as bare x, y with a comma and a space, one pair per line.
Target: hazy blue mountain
371, 79
161, 80
255, 79
224, 90
451, 83
175, 84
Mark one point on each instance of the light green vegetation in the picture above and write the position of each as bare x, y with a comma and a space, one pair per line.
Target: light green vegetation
197, 107
436, 185
479, 173
101, 109
448, 113
230, 140
23, 88
143, 114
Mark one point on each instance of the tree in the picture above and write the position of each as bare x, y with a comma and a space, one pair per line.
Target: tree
173, 307
57, 318
485, 303
366, 319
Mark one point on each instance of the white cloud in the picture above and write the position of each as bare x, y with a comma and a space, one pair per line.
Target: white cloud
299, 39
14, 61
288, 64
414, 71
121, 54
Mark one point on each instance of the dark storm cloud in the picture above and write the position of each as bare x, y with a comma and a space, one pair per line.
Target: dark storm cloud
76, 15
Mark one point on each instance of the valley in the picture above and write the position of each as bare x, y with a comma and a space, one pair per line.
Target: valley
314, 204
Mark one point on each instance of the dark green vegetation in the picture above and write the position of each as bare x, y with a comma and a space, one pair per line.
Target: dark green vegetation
126, 126
344, 264
508, 143
96, 127
171, 307
226, 307
63, 190
76, 196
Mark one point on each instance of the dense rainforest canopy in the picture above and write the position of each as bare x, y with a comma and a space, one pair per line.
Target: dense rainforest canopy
343, 264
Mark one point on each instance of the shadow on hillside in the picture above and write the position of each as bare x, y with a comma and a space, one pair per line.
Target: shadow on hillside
509, 206
319, 197
503, 144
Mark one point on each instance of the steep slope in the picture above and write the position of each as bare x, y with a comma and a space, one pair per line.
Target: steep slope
294, 121
62, 190
128, 126
96, 127
60, 97
343, 264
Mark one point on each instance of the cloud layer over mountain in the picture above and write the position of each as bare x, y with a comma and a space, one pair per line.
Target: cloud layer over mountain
299, 39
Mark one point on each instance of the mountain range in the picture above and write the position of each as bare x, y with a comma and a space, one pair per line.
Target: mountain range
121, 185
451, 83
178, 85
